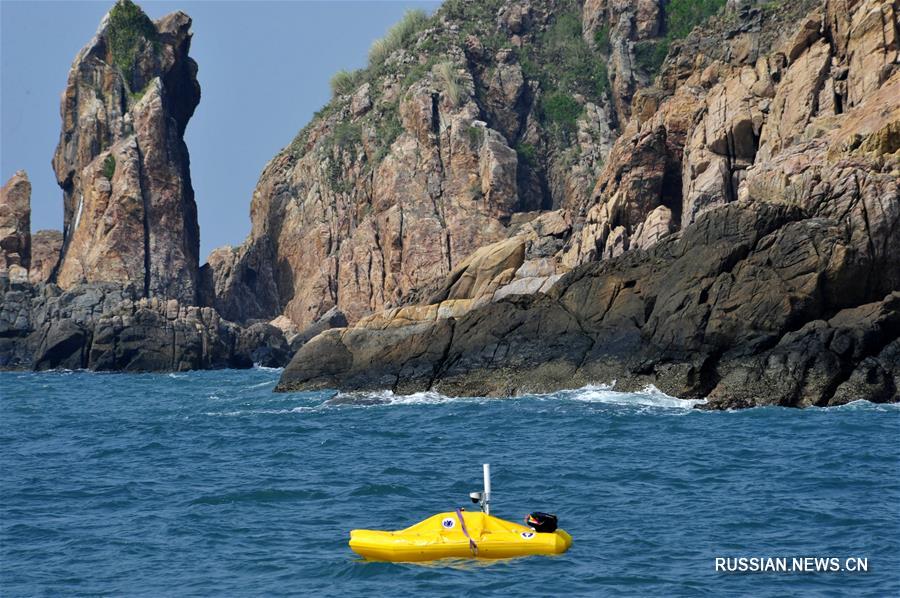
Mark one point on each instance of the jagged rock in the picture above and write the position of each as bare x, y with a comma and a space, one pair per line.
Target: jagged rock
864, 37
475, 275
130, 215
807, 367
105, 326
362, 100
659, 223
239, 282
796, 101
333, 318
15, 227
46, 246
262, 344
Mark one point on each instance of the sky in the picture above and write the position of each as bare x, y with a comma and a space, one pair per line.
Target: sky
264, 69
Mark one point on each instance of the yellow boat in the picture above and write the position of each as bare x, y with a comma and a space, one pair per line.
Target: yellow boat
460, 534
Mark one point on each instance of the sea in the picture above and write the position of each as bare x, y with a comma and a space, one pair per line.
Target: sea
209, 484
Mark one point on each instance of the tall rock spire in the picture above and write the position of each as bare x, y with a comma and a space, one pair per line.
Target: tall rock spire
121, 161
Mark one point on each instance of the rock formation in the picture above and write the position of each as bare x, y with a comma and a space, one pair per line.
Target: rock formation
740, 244
127, 262
130, 215
46, 247
103, 326
15, 227
433, 151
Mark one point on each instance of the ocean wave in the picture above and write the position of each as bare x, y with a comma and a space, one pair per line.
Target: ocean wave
388, 397
649, 396
263, 368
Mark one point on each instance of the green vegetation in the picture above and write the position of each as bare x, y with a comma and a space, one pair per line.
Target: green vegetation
562, 110
649, 55
681, 18
347, 135
344, 82
476, 136
109, 167
527, 153
397, 36
128, 28
136, 96
683, 15
449, 76
566, 66
601, 39
417, 72
389, 128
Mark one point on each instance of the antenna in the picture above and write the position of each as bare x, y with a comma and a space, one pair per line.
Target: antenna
484, 498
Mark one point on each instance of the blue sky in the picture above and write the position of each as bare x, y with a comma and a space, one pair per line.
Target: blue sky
264, 70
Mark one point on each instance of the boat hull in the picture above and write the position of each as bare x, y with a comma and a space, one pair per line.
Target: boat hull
442, 536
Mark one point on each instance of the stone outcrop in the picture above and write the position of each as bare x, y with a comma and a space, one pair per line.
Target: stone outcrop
118, 289
129, 211
15, 227
104, 326
741, 243
46, 247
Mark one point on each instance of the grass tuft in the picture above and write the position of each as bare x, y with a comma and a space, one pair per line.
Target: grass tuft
449, 77
397, 36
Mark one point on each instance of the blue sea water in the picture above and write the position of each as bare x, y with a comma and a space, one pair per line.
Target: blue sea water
207, 483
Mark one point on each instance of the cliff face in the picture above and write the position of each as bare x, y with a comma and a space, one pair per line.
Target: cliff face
126, 265
464, 126
129, 211
741, 241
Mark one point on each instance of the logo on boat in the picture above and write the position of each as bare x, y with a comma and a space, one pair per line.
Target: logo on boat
448, 523
528, 535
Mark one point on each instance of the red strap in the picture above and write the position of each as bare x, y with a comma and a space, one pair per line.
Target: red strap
462, 523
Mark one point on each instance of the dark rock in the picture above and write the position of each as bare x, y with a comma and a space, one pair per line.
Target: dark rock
736, 306
109, 327
262, 344
333, 318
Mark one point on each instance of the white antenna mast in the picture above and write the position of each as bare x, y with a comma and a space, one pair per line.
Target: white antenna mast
483, 498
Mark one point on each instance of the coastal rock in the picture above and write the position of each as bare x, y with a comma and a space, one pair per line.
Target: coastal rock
239, 282
665, 316
105, 326
129, 211
15, 227
46, 246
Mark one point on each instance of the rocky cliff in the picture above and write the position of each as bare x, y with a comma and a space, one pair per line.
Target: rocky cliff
740, 242
464, 126
129, 211
118, 289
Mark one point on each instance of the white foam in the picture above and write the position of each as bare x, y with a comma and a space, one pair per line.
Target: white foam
649, 396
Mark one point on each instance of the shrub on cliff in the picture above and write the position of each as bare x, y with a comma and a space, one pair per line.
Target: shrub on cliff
683, 15
128, 28
562, 110
681, 18
109, 167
